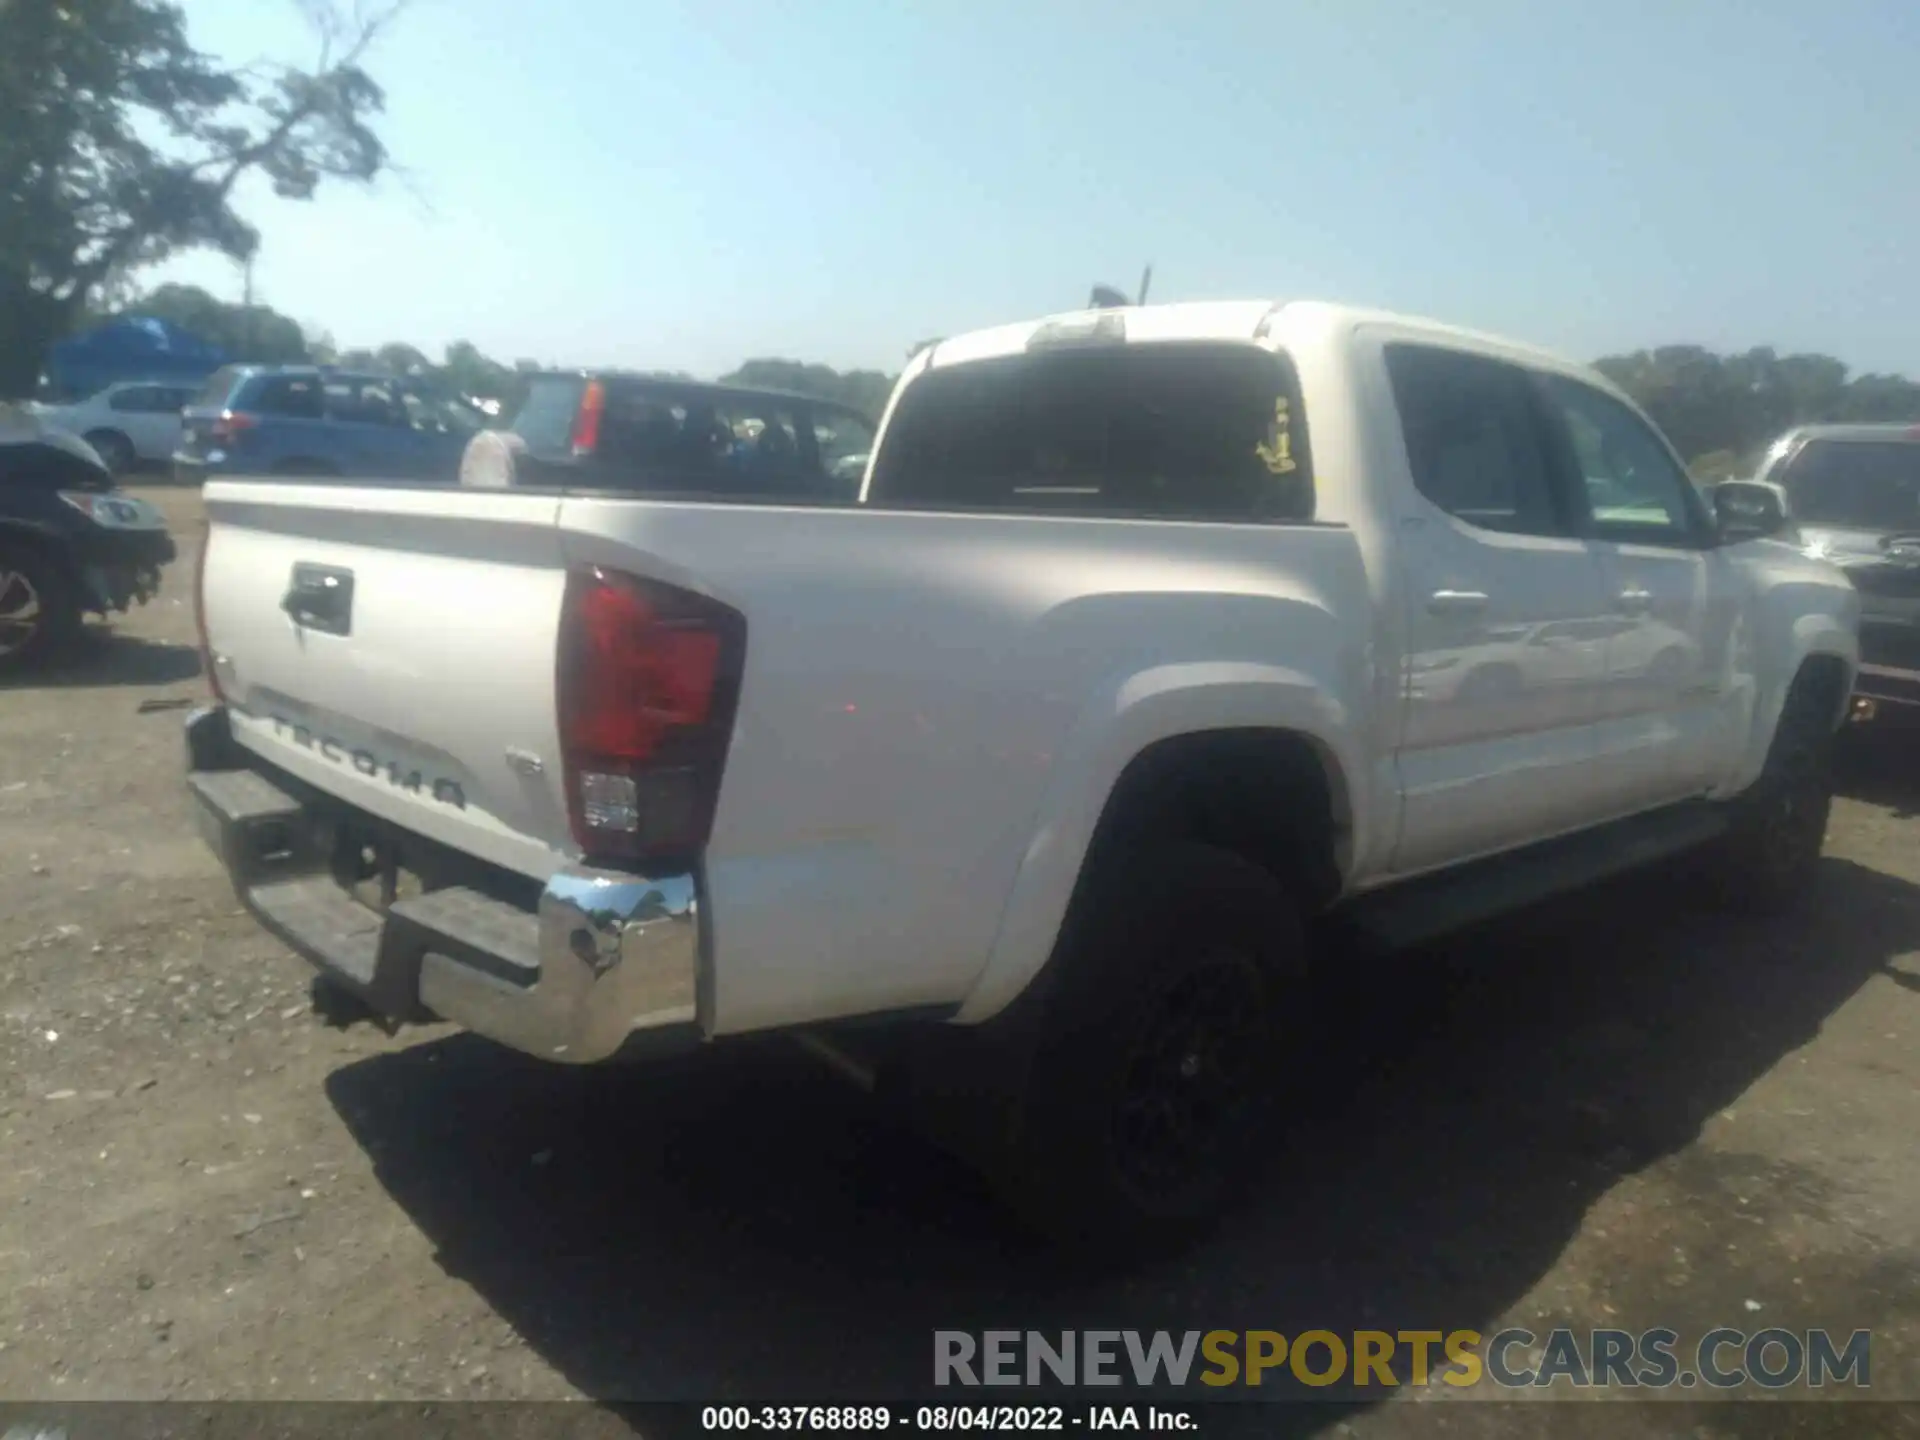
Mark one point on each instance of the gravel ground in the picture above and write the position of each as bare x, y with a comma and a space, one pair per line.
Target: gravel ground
1620, 1110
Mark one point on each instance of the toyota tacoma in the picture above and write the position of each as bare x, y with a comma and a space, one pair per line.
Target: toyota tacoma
1018, 785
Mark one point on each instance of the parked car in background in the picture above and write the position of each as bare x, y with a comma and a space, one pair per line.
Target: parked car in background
606, 430
1853, 493
314, 420
128, 423
70, 543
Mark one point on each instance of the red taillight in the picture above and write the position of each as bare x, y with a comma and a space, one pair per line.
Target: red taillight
586, 421
645, 690
200, 610
229, 425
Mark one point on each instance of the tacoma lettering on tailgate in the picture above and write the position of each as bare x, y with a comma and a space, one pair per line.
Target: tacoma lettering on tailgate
447, 792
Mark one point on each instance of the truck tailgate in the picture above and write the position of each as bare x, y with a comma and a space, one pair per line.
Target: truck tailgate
418, 683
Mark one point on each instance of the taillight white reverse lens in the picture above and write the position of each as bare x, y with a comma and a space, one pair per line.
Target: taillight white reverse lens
647, 679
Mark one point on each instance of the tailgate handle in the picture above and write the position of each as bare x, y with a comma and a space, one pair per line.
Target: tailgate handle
320, 597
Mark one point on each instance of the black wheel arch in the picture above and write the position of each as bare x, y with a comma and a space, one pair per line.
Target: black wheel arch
1275, 797
1823, 681
49, 542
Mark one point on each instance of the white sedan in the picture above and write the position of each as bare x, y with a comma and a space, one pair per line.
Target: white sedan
128, 422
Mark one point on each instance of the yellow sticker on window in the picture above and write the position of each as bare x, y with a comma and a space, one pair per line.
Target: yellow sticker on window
1276, 451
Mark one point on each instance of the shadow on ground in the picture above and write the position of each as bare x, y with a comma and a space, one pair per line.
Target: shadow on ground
748, 1228
101, 658
1879, 763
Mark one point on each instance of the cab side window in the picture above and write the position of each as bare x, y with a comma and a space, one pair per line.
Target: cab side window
1474, 440
1629, 482
149, 400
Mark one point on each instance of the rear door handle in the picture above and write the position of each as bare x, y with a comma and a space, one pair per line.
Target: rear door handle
1456, 602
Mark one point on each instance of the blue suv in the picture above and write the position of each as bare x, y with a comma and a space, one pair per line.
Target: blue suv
314, 420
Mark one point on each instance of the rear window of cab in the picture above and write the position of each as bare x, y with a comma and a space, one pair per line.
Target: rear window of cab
1166, 430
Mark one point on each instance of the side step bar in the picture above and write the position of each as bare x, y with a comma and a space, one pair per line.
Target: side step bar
1420, 910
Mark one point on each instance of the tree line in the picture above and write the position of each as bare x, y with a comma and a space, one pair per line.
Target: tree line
1720, 411
122, 143
259, 334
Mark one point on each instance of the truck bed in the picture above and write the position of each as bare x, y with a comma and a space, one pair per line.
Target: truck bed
915, 693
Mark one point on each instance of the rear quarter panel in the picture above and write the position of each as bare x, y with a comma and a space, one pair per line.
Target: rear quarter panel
934, 705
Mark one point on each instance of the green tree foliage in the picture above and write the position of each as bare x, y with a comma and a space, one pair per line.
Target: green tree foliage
398, 359
864, 390
255, 333
468, 374
121, 144
1721, 411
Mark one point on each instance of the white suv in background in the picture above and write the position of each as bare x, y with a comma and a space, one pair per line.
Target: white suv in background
128, 422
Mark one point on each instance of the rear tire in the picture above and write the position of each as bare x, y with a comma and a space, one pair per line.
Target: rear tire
39, 610
1766, 861
1154, 1075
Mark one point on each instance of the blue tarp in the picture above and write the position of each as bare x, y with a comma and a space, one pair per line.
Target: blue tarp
129, 348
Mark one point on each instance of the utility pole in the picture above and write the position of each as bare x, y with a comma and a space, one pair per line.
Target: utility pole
246, 309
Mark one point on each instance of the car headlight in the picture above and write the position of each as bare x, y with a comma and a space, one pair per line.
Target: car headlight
114, 512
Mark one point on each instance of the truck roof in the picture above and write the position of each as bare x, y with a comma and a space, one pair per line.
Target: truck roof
1308, 320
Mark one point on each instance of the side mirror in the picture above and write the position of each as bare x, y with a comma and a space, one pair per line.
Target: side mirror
1749, 510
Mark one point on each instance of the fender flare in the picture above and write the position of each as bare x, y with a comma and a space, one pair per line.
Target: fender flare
1139, 710
1811, 637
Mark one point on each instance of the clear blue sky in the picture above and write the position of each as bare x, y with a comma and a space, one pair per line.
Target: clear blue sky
685, 185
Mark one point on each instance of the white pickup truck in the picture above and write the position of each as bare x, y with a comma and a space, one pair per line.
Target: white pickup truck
1155, 636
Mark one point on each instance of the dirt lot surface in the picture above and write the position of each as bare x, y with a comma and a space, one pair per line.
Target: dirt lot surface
1623, 1110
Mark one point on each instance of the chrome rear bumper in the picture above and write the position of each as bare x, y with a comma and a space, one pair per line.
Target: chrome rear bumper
595, 962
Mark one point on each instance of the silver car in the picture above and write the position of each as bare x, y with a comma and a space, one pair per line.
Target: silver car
1853, 492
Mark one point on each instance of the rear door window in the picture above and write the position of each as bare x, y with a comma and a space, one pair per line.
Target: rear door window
437, 415
287, 397
150, 399
137, 400
364, 401
1475, 441
1202, 431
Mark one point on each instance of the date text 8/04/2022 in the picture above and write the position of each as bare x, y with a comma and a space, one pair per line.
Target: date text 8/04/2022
846, 1419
